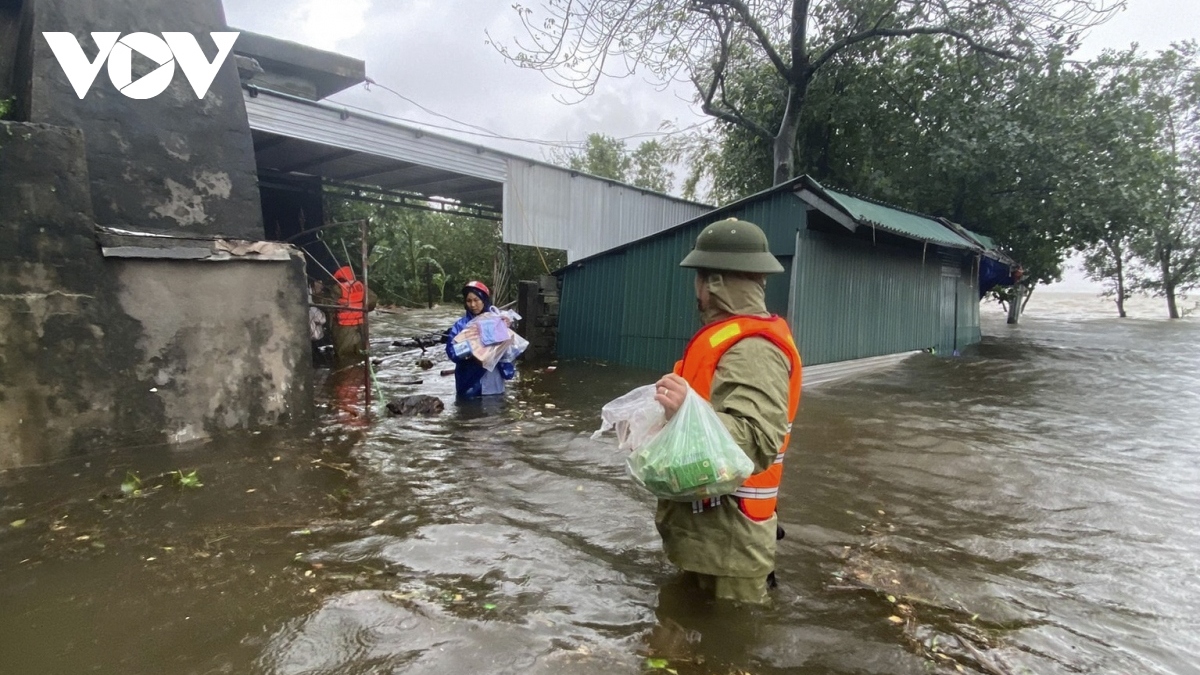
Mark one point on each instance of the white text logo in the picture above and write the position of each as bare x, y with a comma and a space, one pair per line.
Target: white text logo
118, 52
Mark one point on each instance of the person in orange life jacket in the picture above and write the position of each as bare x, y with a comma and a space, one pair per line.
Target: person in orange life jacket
745, 363
348, 292
471, 379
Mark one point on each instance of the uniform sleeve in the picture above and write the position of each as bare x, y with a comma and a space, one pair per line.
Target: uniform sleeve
750, 395
372, 300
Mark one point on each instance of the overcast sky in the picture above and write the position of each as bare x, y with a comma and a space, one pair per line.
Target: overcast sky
436, 53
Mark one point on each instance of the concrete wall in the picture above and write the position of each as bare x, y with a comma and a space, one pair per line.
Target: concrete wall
63, 340
219, 342
96, 352
167, 164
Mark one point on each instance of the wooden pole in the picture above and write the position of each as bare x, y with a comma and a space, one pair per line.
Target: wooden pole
428, 287
366, 330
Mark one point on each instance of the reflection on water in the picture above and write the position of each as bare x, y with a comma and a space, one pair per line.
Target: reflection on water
1028, 507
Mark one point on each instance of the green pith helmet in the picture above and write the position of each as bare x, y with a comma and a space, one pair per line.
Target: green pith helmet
733, 245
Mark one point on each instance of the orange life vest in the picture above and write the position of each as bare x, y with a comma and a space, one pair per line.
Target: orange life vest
758, 495
352, 296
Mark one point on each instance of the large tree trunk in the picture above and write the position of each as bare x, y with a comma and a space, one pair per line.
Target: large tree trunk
1015, 307
1168, 286
785, 140
1169, 291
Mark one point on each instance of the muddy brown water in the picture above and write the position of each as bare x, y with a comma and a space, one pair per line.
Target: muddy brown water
1029, 507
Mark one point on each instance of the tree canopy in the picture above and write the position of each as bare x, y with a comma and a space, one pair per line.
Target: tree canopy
577, 42
648, 166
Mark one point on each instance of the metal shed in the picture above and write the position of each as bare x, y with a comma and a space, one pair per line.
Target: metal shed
296, 139
862, 280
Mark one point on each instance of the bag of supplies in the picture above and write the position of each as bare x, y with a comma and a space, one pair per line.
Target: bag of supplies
689, 458
490, 340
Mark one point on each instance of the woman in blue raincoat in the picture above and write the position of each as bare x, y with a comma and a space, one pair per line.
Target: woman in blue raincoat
471, 379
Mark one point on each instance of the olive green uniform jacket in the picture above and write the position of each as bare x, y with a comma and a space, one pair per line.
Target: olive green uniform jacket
750, 395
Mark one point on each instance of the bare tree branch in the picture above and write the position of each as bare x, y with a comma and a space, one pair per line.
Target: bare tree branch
730, 113
799, 36
863, 36
764, 40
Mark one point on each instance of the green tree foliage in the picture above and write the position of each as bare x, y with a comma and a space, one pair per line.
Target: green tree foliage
1125, 173
416, 254
932, 126
602, 156
708, 42
651, 166
648, 166
1169, 243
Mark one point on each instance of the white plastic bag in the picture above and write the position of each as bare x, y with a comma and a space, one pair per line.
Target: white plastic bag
636, 417
517, 348
691, 457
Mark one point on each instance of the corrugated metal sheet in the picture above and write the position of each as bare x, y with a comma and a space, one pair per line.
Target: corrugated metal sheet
323, 123
854, 300
592, 310
659, 301
555, 208
900, 222
985, 241
815, 376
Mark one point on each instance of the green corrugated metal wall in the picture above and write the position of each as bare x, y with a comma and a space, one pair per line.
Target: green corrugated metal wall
853, 300
590, 319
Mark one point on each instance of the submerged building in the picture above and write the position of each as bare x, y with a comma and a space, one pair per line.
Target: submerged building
864, 281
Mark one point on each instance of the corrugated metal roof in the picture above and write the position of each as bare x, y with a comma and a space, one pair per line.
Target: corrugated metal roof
543, 205
985, 240
331, 126
897, 221
584, 215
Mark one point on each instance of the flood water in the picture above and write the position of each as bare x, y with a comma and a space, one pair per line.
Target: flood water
1028, 507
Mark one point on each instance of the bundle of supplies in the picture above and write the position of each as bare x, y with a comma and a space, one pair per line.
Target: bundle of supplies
490, 339
688, 458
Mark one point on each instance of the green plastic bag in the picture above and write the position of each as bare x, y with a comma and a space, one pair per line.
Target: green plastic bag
691, 457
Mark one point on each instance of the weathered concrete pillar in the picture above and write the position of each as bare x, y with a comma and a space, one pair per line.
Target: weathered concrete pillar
65, 345
171, 163
529, 307
537, 303
108, 337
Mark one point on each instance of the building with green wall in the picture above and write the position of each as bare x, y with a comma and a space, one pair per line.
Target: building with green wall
862, 279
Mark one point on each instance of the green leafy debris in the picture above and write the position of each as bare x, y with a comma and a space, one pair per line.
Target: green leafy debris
187, 480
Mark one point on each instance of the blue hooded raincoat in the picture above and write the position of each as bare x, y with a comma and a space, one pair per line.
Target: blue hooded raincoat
471, 379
